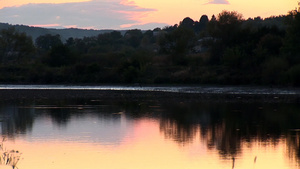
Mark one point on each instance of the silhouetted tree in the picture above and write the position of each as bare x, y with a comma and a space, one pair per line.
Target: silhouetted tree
48, 41
226, 31
212, 26
271, 44
187, 23
177, 42
292, 39
15, 46
109, 38
213, 18
229, 24
201, 25
134, 37
60, 56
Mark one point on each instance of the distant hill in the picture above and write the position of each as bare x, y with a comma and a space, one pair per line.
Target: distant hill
35, 32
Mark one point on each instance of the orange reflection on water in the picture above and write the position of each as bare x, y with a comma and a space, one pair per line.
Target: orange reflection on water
148, 148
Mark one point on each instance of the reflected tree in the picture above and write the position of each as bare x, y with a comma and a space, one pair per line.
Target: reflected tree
226, 127
16, 120
60, 115
293, 144
180, 133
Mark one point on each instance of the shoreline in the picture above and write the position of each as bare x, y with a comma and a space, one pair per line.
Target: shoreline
126, 95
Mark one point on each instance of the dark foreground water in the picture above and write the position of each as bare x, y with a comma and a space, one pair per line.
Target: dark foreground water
108, 134
249, 90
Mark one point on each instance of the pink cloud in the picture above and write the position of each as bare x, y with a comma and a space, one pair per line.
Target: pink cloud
218, 2
46, 25
96, 14
128, 3
70, 26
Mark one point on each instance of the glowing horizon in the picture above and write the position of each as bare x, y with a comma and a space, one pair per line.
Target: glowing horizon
118, 14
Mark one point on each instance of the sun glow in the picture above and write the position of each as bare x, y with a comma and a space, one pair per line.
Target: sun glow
173, 12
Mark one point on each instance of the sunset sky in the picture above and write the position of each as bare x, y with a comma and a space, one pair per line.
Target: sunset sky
126, 14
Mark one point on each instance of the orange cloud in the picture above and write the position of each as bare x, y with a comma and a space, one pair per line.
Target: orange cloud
46, 25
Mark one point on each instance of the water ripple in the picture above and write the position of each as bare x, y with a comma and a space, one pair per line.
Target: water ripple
178, 89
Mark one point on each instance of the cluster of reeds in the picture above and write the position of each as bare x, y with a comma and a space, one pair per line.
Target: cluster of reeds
8, 157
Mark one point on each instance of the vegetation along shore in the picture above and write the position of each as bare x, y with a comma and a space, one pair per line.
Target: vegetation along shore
125, 95
225, 49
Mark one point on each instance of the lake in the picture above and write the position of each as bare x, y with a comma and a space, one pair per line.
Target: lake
165, 134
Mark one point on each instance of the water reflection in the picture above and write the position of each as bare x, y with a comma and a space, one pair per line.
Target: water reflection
225, 127
230, 129
14, 120
293, 143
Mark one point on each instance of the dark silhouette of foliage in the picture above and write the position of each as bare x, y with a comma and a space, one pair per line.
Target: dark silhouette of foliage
187, 23
59, 56
292, 38
48, 41
226, 49
201, 25
15, 47
134, 37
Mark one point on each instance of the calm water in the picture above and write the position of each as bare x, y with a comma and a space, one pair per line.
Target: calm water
182, 89
88, 133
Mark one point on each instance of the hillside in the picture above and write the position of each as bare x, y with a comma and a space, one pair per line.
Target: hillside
35, 32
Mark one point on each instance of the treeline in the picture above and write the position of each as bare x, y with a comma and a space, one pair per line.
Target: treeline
66, 33
225, 49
